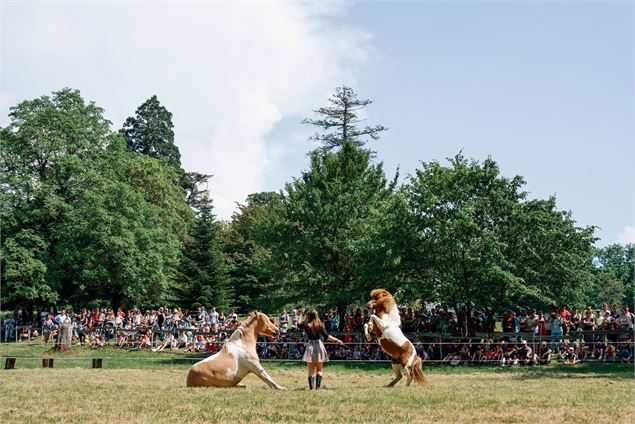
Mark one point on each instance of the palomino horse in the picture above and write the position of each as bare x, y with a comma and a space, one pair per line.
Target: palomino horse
385, 323
237, 358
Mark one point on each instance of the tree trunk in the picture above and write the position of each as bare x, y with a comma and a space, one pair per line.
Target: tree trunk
64, 337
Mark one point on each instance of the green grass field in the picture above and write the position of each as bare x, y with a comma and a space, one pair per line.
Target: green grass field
145, 387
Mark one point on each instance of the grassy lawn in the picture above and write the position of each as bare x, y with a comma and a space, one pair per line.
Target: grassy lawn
145, 387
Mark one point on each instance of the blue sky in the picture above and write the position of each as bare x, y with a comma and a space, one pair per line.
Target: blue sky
545, 88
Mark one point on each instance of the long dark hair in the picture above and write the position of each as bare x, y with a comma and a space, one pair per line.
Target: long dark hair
314, 325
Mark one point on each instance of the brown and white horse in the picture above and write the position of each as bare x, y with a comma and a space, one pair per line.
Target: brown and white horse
237, 358
386, 324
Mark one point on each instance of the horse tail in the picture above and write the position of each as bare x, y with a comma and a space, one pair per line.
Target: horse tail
417, 371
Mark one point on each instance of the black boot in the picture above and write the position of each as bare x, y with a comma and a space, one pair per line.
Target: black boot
310, 383
318, 381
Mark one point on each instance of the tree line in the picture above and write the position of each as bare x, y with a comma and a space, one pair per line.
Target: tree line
93, 216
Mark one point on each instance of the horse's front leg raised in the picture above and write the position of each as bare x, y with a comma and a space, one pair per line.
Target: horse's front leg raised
368, 328
257, 369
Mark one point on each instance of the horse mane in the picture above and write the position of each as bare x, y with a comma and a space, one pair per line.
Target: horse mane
388, 306
240, 331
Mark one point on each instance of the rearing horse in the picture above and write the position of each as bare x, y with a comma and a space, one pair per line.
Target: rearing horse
237, 358
385, 323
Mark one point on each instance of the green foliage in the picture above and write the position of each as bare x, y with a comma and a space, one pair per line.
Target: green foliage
24, 270
203, 275
616, 263
256, 277
101, 222
150, 133
329, 214
480, 242
89, 214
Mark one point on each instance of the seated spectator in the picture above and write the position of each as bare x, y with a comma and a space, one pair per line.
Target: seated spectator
570, 357
525, 354
510, 355
122, 339
24, 335
182, 341
167, 342
98, 341
545, 353
145, 342
610, 353
625, 354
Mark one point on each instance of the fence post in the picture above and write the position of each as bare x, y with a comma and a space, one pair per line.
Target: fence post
97, 362
9, 364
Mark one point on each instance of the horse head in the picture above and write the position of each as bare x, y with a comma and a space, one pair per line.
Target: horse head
380, 301
263, 324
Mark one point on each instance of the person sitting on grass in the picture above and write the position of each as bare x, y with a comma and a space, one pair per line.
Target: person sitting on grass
99, 341
545, 353
181, 342
145, 342
570, 357
625, 354
122, 339
525, 354
24, 335
510, 355
610, 354
167, 342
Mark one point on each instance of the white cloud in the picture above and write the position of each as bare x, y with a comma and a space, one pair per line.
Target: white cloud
227, 72
627, 235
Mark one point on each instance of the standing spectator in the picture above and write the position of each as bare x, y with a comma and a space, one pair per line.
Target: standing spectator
214, 317
556, 330
284, 321
626, 320
335, 320
294, 319
576, 318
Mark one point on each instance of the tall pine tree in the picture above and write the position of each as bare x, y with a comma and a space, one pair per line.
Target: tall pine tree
203, 276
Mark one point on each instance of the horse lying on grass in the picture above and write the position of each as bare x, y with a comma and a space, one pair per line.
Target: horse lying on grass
237, 358
385, 323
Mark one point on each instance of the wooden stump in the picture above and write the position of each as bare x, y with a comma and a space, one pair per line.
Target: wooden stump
97, 362
64, 337
47, 363
9, 364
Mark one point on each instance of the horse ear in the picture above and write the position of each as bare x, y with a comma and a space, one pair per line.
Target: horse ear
254, 313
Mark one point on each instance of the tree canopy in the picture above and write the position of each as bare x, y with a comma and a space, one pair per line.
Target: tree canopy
92, 216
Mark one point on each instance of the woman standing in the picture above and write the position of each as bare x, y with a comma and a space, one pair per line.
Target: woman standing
315, 354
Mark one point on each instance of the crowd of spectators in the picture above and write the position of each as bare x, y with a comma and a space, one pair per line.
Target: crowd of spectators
528, 337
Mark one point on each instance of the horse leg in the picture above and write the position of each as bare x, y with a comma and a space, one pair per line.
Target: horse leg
409, 365
368, 328
257, 369
375, 321
398, 376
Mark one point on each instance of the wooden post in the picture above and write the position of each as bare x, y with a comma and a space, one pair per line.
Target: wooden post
97, 362
64, 337
47, 362
9, 364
